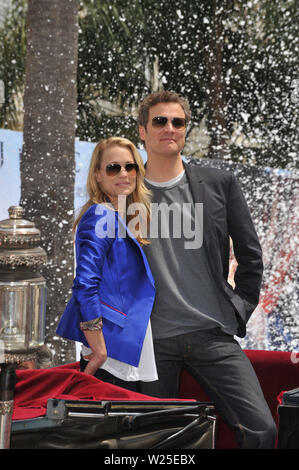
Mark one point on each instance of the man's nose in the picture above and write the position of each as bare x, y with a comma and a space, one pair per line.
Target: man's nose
169, 126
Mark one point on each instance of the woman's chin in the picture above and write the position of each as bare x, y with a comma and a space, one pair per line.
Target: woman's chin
124, 191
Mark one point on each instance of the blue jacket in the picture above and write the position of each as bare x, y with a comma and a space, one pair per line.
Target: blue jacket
113, 281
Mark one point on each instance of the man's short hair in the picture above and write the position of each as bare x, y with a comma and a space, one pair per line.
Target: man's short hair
163, 96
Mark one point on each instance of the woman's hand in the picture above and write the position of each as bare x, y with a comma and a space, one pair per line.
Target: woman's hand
98, 356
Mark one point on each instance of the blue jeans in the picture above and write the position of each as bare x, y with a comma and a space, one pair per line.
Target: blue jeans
226, 375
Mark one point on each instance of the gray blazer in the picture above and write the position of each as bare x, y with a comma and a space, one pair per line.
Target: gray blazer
226, 214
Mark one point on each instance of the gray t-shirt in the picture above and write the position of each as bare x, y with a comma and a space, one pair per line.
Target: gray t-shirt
187, 297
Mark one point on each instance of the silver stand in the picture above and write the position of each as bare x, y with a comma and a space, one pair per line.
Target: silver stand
7, 386
7, 390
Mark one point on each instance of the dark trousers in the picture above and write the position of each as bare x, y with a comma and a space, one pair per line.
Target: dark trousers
226, 375
105, 376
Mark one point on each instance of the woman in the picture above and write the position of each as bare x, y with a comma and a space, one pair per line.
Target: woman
113, 291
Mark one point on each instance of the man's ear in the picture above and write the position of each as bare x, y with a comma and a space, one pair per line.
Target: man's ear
142, 132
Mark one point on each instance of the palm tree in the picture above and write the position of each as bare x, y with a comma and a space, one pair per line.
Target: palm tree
12, 63
47, 162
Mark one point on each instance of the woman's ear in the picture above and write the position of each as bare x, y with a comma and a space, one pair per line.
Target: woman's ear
98, 176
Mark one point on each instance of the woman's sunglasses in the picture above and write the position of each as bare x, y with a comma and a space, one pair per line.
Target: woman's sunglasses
161, 121
114, 168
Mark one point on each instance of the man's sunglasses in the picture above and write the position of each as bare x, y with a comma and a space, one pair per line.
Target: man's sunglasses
161, 121
114, 168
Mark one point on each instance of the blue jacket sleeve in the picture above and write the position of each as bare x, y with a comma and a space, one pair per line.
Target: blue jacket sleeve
95, 235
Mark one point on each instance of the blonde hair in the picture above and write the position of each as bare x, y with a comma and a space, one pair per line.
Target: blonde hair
140, 195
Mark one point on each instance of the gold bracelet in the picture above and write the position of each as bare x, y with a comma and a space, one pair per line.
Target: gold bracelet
95, 324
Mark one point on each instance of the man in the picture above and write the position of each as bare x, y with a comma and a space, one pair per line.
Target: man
196, 312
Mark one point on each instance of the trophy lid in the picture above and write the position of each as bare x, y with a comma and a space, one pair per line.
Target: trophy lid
19, 240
